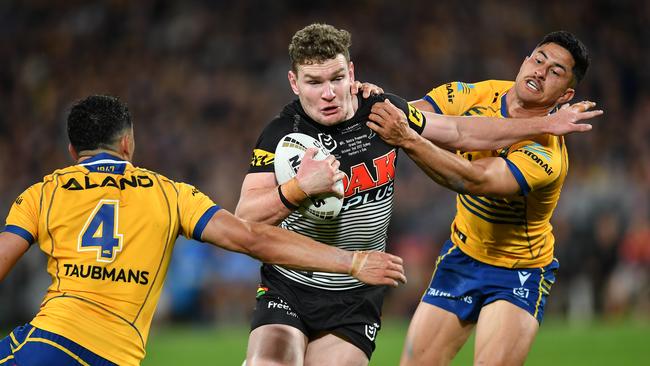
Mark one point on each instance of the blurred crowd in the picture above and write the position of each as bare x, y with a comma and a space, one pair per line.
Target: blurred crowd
202, 78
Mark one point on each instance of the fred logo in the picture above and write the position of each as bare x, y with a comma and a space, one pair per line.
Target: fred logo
195, 191
19, 200
415, 116
371, 331
262, 158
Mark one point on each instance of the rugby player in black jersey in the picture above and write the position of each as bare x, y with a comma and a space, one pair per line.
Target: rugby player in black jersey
316, 318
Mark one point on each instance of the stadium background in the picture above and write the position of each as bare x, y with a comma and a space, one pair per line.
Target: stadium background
203, 77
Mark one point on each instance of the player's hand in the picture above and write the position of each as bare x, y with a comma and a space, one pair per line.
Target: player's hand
377, 268
390, 123
319, 176
566, 119
367, 89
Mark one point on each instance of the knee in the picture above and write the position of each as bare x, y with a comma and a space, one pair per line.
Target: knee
497, 359
272, 359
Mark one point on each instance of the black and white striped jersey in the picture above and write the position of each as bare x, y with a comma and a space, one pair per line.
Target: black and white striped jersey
369, 165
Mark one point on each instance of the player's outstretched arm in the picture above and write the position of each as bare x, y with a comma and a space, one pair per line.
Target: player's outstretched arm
489, 133
489, 176
273, 245
12, 247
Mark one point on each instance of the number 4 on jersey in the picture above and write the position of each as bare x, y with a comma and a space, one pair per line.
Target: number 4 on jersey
100, 232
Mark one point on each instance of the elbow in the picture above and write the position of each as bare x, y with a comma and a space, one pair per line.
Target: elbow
470, 183
242, 211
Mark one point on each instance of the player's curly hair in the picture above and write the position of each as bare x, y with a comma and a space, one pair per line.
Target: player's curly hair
577, 49
317, 43
97, 121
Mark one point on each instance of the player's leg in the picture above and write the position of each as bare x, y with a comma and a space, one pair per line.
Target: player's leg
276, 344
444, 319
504, 334
331, 349
346, 325
509, 322
434, 336
278, 334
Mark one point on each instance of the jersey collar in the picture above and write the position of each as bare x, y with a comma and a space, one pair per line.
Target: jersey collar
105, 163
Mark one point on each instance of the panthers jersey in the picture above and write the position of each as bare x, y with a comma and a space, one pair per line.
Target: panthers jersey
369, 167
513, 232
108, 230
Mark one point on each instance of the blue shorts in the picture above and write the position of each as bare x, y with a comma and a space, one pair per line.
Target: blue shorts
463, 285
28, 345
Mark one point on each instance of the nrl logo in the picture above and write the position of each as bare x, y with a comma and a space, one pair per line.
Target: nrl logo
328, 142
371, 331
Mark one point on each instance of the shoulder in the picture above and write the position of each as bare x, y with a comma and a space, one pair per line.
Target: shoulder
499, 86
395, 99
282, 124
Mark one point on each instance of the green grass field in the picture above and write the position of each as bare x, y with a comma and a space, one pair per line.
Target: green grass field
557, 344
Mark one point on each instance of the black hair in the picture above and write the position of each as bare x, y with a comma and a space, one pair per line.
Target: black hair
97, 122
577, 49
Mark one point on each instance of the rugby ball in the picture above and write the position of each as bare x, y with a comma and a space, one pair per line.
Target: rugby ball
288, 155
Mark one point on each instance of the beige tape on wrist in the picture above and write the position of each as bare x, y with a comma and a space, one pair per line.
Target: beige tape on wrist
292, 192
358, 261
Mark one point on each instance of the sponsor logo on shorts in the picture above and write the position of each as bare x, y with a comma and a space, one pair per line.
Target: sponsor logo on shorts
283, 306
438, 293
521, 292
371, 331
261, 291
523, 276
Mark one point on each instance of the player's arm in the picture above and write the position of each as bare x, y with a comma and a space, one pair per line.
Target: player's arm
263, 200
483, 177
489, 176
12, 247
271, 244
489, 133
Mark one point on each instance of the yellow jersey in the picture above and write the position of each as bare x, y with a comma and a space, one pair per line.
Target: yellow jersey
108, 230
510, 232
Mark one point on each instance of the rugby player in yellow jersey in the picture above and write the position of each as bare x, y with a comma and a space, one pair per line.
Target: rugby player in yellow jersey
108, 229
497, 270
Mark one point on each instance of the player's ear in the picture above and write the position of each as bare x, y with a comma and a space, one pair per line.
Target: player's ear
73, 152
127, 145
567, 96
351, 67
293, 81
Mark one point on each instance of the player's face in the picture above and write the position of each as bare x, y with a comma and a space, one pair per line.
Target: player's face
545, 77
324, 90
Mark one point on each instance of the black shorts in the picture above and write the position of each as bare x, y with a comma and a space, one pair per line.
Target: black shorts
354, 315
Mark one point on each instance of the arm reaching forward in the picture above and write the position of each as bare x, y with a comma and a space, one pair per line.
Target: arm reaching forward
490, 176
489, 133
12, 247
273, 245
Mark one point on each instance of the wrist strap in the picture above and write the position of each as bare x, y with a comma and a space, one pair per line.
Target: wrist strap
285, 201
358, 261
